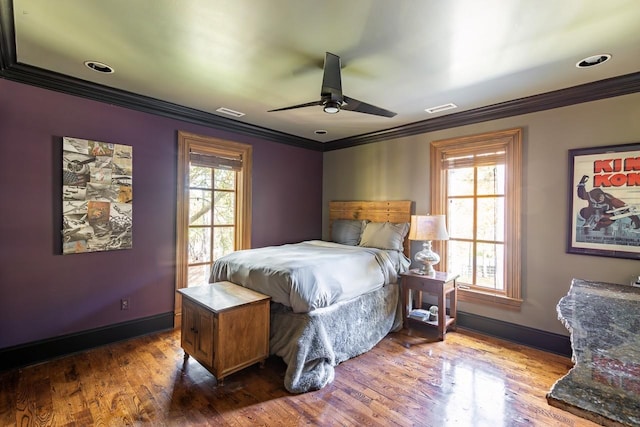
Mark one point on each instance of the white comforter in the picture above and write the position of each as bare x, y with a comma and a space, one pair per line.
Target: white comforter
311, 274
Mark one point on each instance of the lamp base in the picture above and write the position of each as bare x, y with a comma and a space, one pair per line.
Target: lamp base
428, 259
425, 270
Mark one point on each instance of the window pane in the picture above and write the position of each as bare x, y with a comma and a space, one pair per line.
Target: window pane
460, 260
489, 271
491, 180
199, 177
460, 218
491, 218
199, 244
224, 241
198, 275
199, 207
224, 179
460, 182
225, 208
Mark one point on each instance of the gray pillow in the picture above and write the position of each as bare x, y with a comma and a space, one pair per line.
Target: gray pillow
347, 231
384, 235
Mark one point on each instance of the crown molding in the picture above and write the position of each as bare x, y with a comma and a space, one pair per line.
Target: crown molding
608, 88
10, 69
49, 80
7, 35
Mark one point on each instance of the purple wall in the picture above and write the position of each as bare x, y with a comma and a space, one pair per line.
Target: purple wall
44, 294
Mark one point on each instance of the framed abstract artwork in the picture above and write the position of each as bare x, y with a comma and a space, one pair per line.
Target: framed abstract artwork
97, 196
604, 194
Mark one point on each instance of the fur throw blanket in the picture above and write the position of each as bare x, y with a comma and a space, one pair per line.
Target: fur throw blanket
311, 344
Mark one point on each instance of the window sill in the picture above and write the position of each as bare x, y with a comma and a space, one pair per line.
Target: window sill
486, 298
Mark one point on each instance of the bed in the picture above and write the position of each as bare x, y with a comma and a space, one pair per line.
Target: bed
331, 300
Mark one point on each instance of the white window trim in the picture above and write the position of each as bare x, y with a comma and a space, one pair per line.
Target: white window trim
511, 141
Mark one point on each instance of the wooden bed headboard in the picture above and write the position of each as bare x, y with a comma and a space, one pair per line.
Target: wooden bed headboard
376, 211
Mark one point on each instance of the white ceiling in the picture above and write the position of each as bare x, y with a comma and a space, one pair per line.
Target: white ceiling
403, 55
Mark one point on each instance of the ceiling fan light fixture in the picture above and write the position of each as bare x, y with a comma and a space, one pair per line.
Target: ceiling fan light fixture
331, 107
594, 60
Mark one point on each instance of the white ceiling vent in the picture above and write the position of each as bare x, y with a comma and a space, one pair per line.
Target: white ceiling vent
230, 112
440, 108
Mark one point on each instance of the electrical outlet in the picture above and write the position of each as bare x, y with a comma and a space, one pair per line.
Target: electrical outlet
124, 304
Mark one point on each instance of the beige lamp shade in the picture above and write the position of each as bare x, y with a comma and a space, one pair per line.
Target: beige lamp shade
428, 227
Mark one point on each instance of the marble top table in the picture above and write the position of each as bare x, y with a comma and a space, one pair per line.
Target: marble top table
604, 384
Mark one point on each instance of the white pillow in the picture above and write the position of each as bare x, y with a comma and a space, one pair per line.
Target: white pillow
384, 235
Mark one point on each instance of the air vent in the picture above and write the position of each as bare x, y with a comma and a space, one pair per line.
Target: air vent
594, 60
230, 112
440, 108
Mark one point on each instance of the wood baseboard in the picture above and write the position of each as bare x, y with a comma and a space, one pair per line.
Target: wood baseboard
40, 351
535, 338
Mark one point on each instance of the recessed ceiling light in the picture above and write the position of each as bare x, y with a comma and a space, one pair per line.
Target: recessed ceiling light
594, 60
230, 112
99, 67
320, 132
439, 108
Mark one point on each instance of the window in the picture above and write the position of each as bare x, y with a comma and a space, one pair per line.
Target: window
477, 184
211, 213
214, 205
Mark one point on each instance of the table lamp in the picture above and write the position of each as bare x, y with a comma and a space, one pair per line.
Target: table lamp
427, 228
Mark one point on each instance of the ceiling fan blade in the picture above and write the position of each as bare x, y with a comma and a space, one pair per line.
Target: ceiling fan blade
307, 104
351, 104
331, 79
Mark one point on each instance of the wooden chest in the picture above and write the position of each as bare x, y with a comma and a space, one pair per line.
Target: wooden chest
225, 327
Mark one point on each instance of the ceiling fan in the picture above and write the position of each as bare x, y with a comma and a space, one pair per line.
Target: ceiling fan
331, 97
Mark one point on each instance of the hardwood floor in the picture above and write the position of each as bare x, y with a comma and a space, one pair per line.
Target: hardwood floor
407, 379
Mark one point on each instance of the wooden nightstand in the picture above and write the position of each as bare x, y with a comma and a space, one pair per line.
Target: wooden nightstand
441, 285
225, 327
